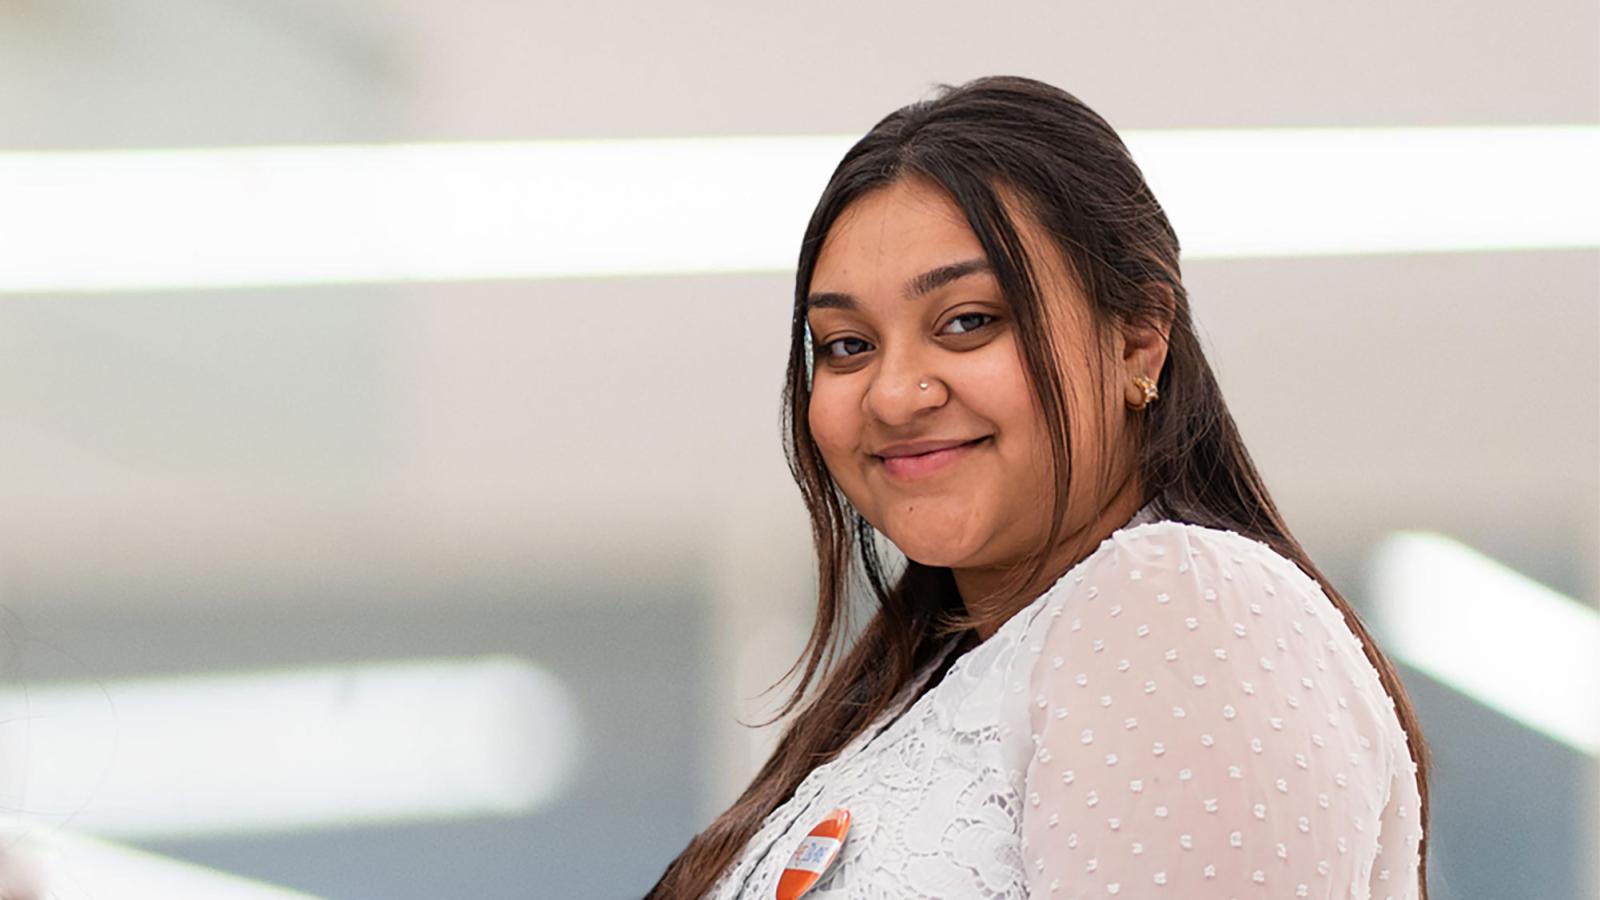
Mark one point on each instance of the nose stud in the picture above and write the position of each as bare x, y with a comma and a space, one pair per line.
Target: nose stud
923, 385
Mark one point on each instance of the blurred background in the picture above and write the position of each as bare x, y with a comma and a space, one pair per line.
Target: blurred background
375, 541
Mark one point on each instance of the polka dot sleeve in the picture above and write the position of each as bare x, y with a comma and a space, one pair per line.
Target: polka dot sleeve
1203, 725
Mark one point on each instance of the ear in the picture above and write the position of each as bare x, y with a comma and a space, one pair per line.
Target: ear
1143, 345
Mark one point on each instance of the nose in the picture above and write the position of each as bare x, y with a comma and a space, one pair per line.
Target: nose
895, 396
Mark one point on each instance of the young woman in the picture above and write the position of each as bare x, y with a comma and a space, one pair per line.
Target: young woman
1107, 667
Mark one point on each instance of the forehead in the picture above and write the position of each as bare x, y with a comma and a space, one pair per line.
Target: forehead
891, 233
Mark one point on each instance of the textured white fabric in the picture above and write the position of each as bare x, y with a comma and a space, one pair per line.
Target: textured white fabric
1184, 714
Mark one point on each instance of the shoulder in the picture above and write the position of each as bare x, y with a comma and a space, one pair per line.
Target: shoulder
1185, 553
1165, 573
1190, 589
1176, 608
1190, 687
1170, 533
1174, 621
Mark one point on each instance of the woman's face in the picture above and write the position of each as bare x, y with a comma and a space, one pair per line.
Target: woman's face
957, 474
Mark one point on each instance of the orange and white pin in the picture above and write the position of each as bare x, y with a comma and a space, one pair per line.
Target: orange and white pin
814, 855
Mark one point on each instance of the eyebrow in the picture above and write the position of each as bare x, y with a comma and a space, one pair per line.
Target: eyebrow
923, 284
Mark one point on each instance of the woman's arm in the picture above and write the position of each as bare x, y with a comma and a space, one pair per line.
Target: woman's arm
1202, 728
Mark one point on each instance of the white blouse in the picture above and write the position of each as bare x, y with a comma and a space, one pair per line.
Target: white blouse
1183, 714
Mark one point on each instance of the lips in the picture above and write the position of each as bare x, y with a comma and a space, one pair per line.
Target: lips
936, 456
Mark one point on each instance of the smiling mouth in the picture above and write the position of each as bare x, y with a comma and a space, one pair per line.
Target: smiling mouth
922, 465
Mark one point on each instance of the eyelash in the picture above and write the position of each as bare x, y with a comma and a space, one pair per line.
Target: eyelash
822, 351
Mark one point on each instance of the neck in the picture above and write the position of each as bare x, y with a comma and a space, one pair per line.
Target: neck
983, 589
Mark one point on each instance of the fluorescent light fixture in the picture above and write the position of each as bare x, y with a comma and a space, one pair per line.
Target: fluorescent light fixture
441, 212
1491, 633
283, 751
45, 863
1350, 191
255, 216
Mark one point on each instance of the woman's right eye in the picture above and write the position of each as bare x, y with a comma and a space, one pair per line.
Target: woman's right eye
836, 349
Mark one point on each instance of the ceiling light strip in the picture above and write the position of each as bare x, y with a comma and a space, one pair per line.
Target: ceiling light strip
1491, 633
299, 215
202, 756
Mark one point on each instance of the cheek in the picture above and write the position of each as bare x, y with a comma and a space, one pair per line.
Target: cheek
997, 390
834, 420
1003, 396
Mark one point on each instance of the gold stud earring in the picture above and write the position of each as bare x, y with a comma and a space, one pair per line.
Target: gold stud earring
1143, 383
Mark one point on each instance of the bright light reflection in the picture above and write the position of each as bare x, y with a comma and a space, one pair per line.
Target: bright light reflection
1492, 633
44, 863
282, 751
197, 218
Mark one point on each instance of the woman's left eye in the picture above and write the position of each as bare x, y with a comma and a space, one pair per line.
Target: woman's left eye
969, 326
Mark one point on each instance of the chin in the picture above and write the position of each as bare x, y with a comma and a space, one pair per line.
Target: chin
948, 560
935, 548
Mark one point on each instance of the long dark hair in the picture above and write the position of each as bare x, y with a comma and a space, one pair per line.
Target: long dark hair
985, 142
